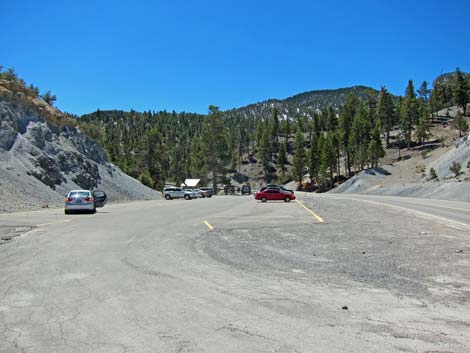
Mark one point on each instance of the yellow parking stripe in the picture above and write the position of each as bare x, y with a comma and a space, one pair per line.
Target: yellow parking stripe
317, 217
208, 225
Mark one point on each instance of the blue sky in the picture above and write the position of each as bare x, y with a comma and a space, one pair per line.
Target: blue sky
185, 55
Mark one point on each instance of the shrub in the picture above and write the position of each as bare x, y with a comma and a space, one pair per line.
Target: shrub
146, 179
456, 168
432, 174
49, 98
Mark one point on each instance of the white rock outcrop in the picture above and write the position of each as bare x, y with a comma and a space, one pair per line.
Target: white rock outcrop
40, 163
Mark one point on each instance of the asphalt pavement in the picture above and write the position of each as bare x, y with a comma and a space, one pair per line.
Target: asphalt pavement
453, 213
230, 274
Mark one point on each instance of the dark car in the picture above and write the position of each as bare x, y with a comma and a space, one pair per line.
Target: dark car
246, 190
229, 189
274, 194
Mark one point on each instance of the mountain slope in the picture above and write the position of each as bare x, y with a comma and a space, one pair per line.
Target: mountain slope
43, 156
305, 103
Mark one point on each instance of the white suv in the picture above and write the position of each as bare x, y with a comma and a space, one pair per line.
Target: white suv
177, 193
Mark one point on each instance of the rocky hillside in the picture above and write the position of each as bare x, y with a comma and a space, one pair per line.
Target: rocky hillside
43, 156
421, 172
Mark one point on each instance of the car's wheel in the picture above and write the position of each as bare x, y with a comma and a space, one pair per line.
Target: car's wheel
287, 199
187, 197
167, 197
264, 199
94, 210
209, 196
66, 211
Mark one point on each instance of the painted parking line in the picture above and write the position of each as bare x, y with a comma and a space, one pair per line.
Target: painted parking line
317, 217
48, 224
208, 225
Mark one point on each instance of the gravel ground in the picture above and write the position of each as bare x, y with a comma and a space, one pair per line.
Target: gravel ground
401, 253
152, 277
360, 252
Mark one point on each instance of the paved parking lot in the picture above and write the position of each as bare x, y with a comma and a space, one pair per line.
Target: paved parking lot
230, 274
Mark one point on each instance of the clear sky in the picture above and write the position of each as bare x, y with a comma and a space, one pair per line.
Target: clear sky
185, 55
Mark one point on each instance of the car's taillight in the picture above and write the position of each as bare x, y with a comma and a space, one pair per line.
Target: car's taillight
68, 199
88, 199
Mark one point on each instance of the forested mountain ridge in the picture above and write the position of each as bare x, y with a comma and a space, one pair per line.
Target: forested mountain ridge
330, 134
305, 103
134, 140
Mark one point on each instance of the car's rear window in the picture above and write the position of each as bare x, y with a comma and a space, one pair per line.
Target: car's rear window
79, 194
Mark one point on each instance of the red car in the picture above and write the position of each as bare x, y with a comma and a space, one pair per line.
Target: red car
274, 194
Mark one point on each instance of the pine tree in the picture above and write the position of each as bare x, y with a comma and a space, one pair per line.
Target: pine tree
408, 113
312, 157
156, 165
423, 126
275, 128
328, 159
287, 128
461, 91
321, 167
375, 150
282, 158
386, 113
424, 91
459, 123
299, 157
49, 98
146, 179
437, 99
197, 160
264, 151
359, 137
331, 119
214, 138
346, 116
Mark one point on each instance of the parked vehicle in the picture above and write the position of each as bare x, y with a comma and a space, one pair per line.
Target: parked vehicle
229, 189
206, 191
246, 190
194, 193
272, 194
197, 193
177, 193
282, 188
84, 200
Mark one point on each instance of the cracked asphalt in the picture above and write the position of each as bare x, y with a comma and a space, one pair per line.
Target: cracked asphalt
153, 277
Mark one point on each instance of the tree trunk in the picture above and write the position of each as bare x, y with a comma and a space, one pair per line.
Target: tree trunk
214, 181
338, 170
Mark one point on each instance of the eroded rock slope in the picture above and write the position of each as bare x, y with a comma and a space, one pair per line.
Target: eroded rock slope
41, 161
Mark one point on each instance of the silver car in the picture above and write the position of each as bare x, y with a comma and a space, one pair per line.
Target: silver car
198, 193
195, 193
84, 200
177, 193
